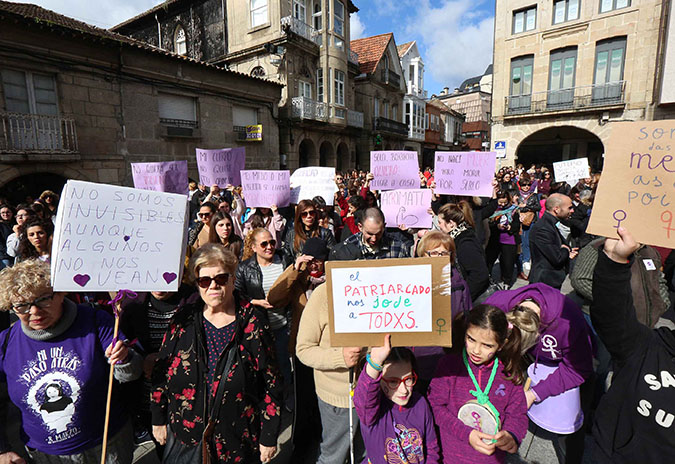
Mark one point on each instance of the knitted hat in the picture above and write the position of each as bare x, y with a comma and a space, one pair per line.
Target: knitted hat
317, 248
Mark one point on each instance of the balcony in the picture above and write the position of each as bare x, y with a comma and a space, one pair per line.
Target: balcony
355, 118
306, 108
294, 25
22, 133
389, 125
574, 98
352, 56
390, 77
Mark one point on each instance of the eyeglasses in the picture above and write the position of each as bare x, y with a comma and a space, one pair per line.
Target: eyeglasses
394, 382
41, 302
204, 215
308, 213
525, 184
271, 243
220, 280
434, 254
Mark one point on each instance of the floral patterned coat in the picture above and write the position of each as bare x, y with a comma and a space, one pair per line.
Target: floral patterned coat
181, 396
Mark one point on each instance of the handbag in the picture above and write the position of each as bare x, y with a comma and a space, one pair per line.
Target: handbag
527, 218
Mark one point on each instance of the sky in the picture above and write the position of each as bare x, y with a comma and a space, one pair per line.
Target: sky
454, 37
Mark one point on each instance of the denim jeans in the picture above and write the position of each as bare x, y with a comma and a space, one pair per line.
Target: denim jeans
334, 448
525, 246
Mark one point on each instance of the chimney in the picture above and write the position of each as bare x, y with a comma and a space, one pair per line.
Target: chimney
446, 90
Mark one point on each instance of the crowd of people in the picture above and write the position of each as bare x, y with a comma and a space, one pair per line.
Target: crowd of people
212, 370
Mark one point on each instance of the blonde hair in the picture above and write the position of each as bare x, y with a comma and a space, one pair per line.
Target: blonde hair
212, 254
24, 281
528, 322
250, 240
434, 239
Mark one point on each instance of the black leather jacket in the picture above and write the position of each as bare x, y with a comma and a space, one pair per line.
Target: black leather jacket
324, 234
249, 276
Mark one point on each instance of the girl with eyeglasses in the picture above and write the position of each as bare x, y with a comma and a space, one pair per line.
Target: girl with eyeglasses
306, 225
396, 422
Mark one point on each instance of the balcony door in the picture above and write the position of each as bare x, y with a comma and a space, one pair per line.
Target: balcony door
520, 95
562, 72
608, 74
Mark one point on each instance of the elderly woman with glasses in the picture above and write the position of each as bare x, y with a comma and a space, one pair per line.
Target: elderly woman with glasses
56, 362
215, 385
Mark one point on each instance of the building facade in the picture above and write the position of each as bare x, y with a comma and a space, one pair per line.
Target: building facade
79, 102
566, 70
414, 103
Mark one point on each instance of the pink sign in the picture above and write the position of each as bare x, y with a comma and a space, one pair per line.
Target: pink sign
165, 176
394, 170
407, 207
263, 189
467, 173
221, 167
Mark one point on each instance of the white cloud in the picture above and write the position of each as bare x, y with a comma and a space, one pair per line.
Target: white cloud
101, 13
356, 27
457, 40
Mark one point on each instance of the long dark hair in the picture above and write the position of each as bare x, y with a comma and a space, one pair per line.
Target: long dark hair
509, 338
26, 249
213, 235
301, 236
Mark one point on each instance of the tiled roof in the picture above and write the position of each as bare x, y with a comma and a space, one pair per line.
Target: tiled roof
403, 49
42, 17
370, 50
162, 6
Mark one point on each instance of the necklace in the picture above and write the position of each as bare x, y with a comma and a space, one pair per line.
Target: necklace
482, 396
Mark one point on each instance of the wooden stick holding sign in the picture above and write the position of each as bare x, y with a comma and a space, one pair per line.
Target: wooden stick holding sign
408, 298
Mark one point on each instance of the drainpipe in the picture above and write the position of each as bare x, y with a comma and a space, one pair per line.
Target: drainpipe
222, 5
159, 33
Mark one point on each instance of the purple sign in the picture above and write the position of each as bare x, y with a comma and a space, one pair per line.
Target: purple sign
263, 189
407, 207
394, 170
165, 176
221, 167
467, 173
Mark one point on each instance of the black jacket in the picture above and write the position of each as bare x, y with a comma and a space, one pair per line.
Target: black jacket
634, 421
549, 259
471, 259
324, 234
578, 222
249, 276
5, 231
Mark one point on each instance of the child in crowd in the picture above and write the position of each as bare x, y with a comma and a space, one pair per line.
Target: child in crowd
488, 371
396, 423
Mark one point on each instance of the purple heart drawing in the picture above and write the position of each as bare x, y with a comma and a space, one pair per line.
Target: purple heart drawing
169, 277
126, 238
81, 279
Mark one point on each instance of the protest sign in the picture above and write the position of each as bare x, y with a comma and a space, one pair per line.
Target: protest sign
409, 298
394, 170
221, 167
571, 171
165, 176
636, 186
263, 189
307, 183
109, 238
468, 173
407, 207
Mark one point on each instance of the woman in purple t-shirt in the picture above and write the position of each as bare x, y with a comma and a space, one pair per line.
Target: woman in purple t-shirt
504, 236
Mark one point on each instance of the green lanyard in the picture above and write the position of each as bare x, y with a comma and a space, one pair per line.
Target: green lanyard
482, 396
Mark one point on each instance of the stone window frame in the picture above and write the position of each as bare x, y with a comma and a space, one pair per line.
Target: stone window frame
566, 11
525, 11
258, 71
610, 45
614, 5
178, 40
30, 86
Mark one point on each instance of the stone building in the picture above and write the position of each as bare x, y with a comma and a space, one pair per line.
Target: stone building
443, 131
379, 95
79, 102
415, 96
301, 44
566, 70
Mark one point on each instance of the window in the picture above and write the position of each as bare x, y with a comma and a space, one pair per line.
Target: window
524, 20
565, 10
609, 5
521, 83
420, 73
426, 121
319, 84
258, 71
339, 87
177, 110
29, 93
394, 112
376, 107
304, 89
258, 12
317, 21
562, 72
299, 10
608, 74
338, 42
386, 109
407, 114
338, 17
243, 116
179, 42
385, 59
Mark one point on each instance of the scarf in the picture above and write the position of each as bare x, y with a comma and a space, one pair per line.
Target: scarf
508, 212
461, 227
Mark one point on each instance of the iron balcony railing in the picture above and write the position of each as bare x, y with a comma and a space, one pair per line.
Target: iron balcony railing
390, 77
354, 118
389, 125
352, 56
573, 98
290, 23
306, 108
37, 133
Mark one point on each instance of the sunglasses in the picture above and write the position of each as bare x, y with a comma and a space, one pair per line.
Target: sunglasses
220, 280
204, 215
271, 243
394, 382
41, 302
524, 184
308, 213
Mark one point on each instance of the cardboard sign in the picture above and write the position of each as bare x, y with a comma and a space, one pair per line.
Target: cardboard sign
407, 207
307, 183
166, 176
263, 189
109, 238
394, 170
636, 187
221, 167
467, 173
571, 171
409, 298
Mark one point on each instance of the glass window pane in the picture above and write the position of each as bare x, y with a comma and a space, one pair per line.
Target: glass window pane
559, 13
573, 10
605, 5
601, 68
258, 17
622, 3
16, 92
556, 66
518, 25
531, 18
516, 81
568, 76
615, 65
527, 79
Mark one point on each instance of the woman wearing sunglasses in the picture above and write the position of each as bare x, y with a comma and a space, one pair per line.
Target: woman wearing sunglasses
222, 340
199, 235
306, 225
56, 362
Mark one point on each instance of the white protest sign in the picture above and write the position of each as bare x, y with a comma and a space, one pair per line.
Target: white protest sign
571, 171
382, 299
109, 238
307, 183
